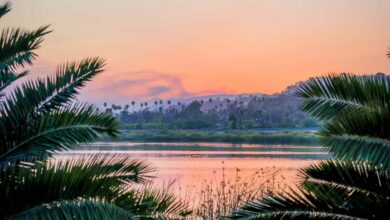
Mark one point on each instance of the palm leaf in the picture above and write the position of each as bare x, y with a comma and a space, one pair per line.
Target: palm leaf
62, 129
43, 95
356, 114
151, 202
333, 95
5, 8
105, 177
299, 204
359, 148
75, 209
17, 42
352, 177
17, 48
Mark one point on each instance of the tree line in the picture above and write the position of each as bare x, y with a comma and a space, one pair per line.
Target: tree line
240, 112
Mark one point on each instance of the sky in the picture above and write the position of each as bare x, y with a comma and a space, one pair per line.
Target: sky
183, 48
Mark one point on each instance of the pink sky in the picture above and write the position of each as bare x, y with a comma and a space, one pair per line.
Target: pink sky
177, 48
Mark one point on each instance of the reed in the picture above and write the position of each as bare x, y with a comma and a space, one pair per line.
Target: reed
217, 197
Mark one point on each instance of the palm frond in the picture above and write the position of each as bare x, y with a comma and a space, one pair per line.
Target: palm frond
94, 177
75, 209
329, 96
317, 201
299, 204
356, 113
62, 129
359, 148
296, 215
5, 8
17, 47
6, 78
329, 190
351, 177
151, 202
43, 95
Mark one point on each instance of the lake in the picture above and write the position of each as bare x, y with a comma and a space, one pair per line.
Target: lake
190, 164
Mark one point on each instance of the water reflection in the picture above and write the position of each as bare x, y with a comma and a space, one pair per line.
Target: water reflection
189, 163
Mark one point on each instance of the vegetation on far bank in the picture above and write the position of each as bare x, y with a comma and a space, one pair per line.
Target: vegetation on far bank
218, 112
232, 136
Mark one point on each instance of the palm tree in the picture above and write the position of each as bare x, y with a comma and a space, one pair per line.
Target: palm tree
355, 111
132, 104
38, 119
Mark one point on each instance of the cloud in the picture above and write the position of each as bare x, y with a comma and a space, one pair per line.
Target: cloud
138, 85
158, 90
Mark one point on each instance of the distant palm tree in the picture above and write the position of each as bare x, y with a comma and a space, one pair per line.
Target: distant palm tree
355, 111
39, 118
132, 104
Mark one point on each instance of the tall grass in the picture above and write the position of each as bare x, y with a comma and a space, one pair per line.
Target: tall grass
217, 197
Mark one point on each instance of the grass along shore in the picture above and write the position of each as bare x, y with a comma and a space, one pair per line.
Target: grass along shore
255, 137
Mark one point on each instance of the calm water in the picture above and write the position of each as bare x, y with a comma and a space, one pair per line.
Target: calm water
191, 163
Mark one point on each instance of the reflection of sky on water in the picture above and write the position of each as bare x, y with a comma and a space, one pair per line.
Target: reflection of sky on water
191, 163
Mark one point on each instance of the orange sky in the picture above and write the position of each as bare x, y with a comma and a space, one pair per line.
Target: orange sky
177, 48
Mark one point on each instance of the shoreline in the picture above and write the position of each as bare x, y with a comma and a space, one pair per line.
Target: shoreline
285, 137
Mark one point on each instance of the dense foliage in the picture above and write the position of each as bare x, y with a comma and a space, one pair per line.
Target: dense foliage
356, 184
39, 118
233, 112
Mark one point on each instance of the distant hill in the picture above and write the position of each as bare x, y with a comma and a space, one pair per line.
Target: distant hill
218, 111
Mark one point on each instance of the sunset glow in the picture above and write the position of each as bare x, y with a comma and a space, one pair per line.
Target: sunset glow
176, 48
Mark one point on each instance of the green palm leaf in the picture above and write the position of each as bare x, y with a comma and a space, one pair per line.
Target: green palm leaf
356, 113
333, 95
62, 129
299, 204
359, 148
16, 42
154, 202
355, 180
5, 8
76, 209
43, 95
100, 176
